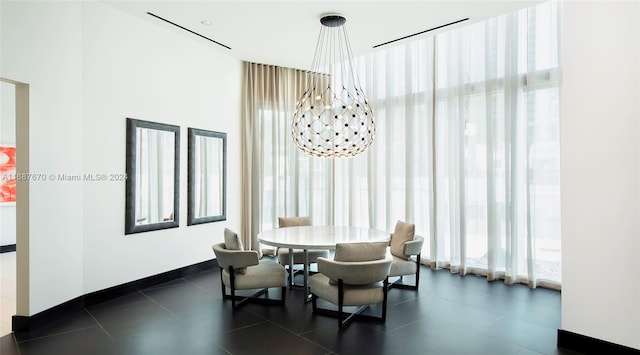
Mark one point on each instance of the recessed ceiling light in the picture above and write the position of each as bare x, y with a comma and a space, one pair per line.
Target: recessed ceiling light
206, 22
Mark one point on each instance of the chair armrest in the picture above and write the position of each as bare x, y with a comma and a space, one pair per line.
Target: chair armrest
355, 272
236, 258
414, 247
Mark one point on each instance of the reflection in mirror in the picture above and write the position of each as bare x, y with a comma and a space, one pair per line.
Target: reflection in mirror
152, 176
207, 176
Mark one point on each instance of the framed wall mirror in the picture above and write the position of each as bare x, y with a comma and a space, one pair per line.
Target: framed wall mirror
152, 188
207, 172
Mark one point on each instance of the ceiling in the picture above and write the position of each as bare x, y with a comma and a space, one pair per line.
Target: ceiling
284, 33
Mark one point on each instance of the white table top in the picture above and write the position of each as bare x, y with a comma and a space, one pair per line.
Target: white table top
320, 237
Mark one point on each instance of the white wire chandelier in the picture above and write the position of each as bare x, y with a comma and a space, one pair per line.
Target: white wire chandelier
333, 118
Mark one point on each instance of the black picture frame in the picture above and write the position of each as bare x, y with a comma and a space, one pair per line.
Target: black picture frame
132, 168
192, 218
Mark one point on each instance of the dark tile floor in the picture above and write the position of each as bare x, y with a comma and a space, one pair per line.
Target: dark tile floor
450, 314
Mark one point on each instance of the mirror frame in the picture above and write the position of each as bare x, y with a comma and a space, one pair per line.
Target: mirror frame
191, 218
132, 167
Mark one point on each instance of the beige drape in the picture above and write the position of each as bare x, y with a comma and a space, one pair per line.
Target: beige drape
270, 95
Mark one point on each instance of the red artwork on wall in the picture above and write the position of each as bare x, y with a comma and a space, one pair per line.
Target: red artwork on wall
7, 174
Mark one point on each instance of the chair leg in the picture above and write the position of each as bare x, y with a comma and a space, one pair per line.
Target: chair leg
417, 271
384, 303
238, 301
400, 284
345, 319
284, 294
232, 278
290, 267
340, 302
223, 287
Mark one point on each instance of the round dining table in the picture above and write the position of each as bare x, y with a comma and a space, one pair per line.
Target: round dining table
317, 238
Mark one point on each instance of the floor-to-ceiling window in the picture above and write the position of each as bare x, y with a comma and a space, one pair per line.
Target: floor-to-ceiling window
466, 148
497, 147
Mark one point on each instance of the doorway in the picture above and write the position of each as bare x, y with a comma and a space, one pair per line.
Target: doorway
14, 202
7, 206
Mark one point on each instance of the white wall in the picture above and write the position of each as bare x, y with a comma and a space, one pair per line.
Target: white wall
7, 137
41, 46
137, 69
89, 67
600, 159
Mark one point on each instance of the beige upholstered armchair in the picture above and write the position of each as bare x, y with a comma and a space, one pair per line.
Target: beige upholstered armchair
405, 249
241, 270
298, 254
356, 277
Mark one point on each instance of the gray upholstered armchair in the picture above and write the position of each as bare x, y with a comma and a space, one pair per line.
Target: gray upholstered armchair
298, 255
356, 277
242, 270
405, 248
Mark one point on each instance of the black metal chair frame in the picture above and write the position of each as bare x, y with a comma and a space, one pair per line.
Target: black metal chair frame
399, 282
346, 318
239, 301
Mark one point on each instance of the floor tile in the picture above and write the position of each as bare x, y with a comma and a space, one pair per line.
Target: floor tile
267, 337
523, 334
8, 345
296, 316
75, 321
208, 280
449, 314
85, 341
358, 338
185, 300
195, 307
437, 336
121, 321
398, 315
171, 339
126, 300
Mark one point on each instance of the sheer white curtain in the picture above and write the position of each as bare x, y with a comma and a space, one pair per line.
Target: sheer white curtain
466, 148
393, 179
497, 148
